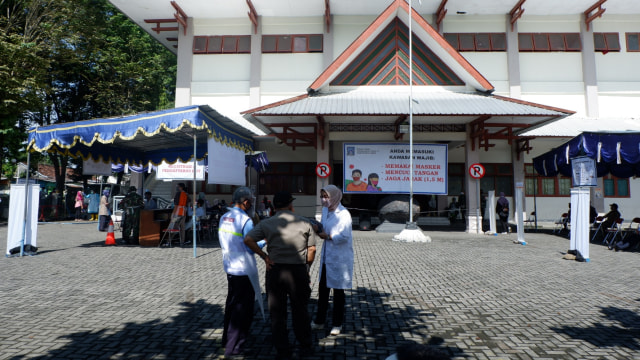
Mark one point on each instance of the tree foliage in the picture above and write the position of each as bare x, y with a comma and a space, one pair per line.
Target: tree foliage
71, 60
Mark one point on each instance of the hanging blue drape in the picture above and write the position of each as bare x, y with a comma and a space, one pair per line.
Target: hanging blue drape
615, 153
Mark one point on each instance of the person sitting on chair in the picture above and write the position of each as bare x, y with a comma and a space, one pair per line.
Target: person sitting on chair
611, 217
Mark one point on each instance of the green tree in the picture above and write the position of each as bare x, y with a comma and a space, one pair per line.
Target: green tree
25, 28
90, 62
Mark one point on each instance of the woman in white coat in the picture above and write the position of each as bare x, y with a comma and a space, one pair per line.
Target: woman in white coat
336, 259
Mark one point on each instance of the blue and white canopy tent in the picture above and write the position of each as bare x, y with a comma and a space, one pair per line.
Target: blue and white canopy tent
141, 139
179, 134
616, 153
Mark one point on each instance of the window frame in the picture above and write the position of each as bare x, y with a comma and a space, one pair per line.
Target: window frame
495, 172
237, 48
285, 175
606, 40
288, 46
538, 181
541, 42
637, 35
616, 187
471, 42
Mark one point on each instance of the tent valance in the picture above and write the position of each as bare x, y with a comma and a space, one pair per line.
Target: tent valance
142, 138
616, 153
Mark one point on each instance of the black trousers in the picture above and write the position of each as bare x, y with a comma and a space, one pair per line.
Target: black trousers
504, 221
292, 282
323, 302
238, 313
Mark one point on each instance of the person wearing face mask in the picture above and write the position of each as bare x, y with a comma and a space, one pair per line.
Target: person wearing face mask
242, 272
336, 259
357, 184
372, 182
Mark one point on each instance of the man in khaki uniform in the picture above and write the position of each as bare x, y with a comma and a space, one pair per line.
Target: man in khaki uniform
291, 248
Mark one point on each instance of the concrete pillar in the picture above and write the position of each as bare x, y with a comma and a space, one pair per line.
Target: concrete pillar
323, 155
513, 60
589, 75
518, 177
472, 189
185, 65
255, 76
327, 47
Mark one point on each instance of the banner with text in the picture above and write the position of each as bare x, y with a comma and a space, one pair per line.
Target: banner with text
180, 171
385, 168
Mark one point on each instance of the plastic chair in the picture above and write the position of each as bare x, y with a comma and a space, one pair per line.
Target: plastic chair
172, 230
633, 227
560, 223
613, 232
597, 227
531, 220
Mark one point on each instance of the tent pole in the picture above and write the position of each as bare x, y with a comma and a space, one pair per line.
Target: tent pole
193, 217
26, 204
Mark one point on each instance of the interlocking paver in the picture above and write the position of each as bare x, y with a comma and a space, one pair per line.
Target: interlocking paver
474, 296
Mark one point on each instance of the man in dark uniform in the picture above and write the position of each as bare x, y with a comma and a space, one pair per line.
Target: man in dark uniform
131, 204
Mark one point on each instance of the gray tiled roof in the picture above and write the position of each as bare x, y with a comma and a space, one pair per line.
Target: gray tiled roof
395, 102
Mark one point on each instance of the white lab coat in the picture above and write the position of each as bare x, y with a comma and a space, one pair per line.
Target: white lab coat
337, 253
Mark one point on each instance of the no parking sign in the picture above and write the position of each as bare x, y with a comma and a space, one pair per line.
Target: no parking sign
476, 171
323, 170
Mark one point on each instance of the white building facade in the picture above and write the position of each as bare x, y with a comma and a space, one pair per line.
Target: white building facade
570, 66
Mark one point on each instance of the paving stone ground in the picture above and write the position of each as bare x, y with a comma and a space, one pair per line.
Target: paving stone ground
474, 296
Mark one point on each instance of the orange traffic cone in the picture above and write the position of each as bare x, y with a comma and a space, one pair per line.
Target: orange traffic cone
111, 237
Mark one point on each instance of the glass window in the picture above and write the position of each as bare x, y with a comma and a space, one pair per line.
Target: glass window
215, 44
598, 42
504, 184
525, 42
284, 43
296, 177
529, 170
504, 168
573, 42
244, 44
541, 42
529, 186
315, 43
548, 186
467, 42
482, 42
623, 187
613, 41
498, 42
230, 44
299, 44
556, 42
633, 41
456, 168
199, 44
269, 43
609, 187
455, 184
564, 186
487, 183
452, 39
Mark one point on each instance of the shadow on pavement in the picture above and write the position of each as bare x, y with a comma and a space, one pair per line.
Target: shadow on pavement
372, 314
182, 337
625, 334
